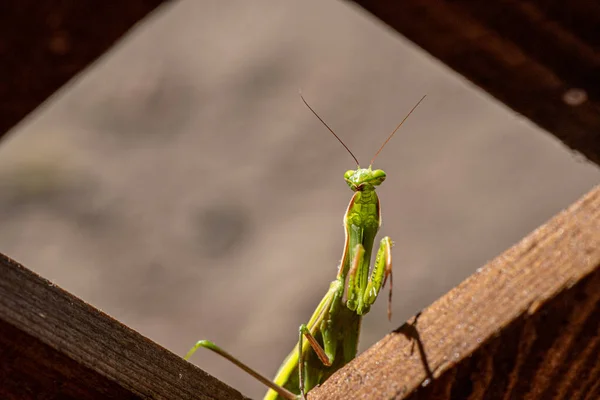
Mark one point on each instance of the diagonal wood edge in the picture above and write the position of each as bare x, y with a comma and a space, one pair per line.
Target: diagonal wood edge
54, 345
527, 323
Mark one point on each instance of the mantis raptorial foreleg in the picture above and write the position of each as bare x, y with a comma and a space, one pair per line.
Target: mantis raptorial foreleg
362, 295
379, 276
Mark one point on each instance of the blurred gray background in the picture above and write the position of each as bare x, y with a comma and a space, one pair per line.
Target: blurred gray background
181, 186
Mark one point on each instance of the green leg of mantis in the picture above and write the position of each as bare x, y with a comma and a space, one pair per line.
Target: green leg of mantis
284, 393
362, 293
320, 351
381, 271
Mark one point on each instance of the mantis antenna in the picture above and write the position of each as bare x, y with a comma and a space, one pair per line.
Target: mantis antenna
330, 130
392, 134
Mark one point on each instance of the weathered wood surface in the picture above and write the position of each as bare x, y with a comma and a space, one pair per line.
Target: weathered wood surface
43, 44
538, 57
53, 345
525, 326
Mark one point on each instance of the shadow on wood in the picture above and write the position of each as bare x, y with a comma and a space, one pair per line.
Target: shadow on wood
527, 325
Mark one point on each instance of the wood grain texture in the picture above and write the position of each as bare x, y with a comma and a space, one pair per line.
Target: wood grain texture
45, 44
528, 54
55, 346
525, 326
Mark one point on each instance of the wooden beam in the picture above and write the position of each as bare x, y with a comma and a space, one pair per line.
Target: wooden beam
538, 57
43, 44
526, 325
54, 345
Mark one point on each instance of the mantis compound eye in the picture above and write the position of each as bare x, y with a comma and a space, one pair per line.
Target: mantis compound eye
377, 177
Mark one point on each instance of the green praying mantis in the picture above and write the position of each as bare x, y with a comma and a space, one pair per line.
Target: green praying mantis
330, 338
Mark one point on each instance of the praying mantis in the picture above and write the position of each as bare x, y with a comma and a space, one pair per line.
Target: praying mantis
330, 338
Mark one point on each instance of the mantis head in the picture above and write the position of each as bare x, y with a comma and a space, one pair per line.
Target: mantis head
364, 178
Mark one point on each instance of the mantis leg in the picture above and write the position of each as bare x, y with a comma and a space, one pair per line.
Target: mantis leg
379, 276
367, 294
325, 355
355, 290
281, 391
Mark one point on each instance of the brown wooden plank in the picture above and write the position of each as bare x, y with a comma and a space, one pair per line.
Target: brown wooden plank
527, 325
43, 44
54, 345
531, 55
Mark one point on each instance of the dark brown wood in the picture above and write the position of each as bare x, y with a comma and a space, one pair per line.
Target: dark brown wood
530, 54
43, 44
55, 346
525, 326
